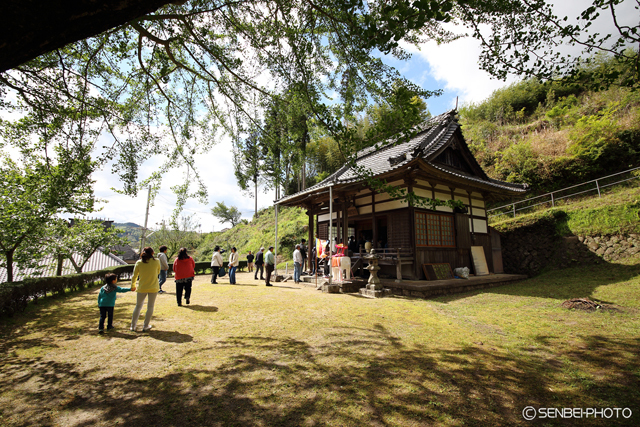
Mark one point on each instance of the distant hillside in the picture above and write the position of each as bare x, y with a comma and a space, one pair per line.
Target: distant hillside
130, 230
554, 134
126, 225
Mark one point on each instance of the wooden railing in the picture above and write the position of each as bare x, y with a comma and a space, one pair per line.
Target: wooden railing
390, 256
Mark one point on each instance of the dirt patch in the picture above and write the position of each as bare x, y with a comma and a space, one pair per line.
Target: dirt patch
586, 304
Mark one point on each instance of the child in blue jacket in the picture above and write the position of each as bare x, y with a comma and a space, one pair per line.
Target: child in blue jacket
107, 300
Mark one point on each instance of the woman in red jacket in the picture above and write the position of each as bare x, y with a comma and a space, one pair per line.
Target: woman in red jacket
184, 270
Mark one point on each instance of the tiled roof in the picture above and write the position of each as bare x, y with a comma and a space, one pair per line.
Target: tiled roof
126, 252
97, 261
432, 136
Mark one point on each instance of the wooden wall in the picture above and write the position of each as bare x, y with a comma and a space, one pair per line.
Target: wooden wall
323, 230
399, 229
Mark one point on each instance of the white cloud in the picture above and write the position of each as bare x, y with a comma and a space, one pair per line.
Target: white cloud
217, 171
455, 65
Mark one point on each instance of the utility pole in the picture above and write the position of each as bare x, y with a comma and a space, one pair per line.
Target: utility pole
146, 218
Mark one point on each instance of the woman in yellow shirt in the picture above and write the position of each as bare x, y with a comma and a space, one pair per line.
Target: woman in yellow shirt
147, 268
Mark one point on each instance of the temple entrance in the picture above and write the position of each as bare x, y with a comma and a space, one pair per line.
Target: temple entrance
382, 238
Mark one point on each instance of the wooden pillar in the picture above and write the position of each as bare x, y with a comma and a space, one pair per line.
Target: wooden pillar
412, 236
311, 241
338, 228
345, 223
374, 225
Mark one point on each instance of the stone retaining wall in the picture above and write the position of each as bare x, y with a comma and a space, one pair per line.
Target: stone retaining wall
529, 250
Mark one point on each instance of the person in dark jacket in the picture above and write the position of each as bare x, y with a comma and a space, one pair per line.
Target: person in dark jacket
303, 251
259, 265
250, 258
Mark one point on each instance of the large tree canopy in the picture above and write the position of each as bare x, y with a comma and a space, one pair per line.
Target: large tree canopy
33, 27
167, 81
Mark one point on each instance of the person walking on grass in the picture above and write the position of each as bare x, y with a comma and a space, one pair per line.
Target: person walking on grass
297, 264
107, 300
164, 267
184, 270
259, 265
233, 265
216, 263
147, 269
250, 258
269, 265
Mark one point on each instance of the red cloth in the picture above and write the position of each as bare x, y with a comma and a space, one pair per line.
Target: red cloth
183, 268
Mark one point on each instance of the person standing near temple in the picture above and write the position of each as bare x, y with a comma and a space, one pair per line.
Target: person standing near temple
303, 252
233, 265
269, 265
259, 265
216, 263
353, 245
250, 258
297, 264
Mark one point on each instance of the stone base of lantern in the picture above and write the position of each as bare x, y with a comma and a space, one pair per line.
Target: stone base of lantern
331, 288
373, 293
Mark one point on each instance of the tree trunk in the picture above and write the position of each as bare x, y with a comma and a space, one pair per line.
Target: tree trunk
304, 175
73, 262
9, 256
256, 201
60, 263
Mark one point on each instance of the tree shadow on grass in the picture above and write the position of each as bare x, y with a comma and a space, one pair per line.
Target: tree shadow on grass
286, 287
365, 376
205, 308
169, 336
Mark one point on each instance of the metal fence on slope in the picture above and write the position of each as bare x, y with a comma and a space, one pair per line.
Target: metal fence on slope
596, 186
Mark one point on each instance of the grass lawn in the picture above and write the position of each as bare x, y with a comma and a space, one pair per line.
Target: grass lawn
248, 355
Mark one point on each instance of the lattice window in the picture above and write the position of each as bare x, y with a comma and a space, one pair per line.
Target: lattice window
434, 230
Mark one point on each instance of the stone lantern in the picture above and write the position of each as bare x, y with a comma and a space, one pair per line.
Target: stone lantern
374, 287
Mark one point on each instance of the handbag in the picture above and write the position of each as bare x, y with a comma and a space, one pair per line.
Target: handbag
222, 272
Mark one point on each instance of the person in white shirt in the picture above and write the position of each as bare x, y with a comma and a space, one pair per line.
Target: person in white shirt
164, 267
233, 265
216, 263
297, 264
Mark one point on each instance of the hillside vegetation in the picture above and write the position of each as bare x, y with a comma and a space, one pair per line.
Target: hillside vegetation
617, 212
554, 134
260, 231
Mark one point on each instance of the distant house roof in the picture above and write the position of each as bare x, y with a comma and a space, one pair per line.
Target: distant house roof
432, 138
126, 252
97, 261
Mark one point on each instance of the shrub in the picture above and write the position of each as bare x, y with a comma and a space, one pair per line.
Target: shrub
15, 296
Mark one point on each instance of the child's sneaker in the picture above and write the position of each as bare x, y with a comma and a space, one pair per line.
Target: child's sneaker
101, 331
110, 328
147, 329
